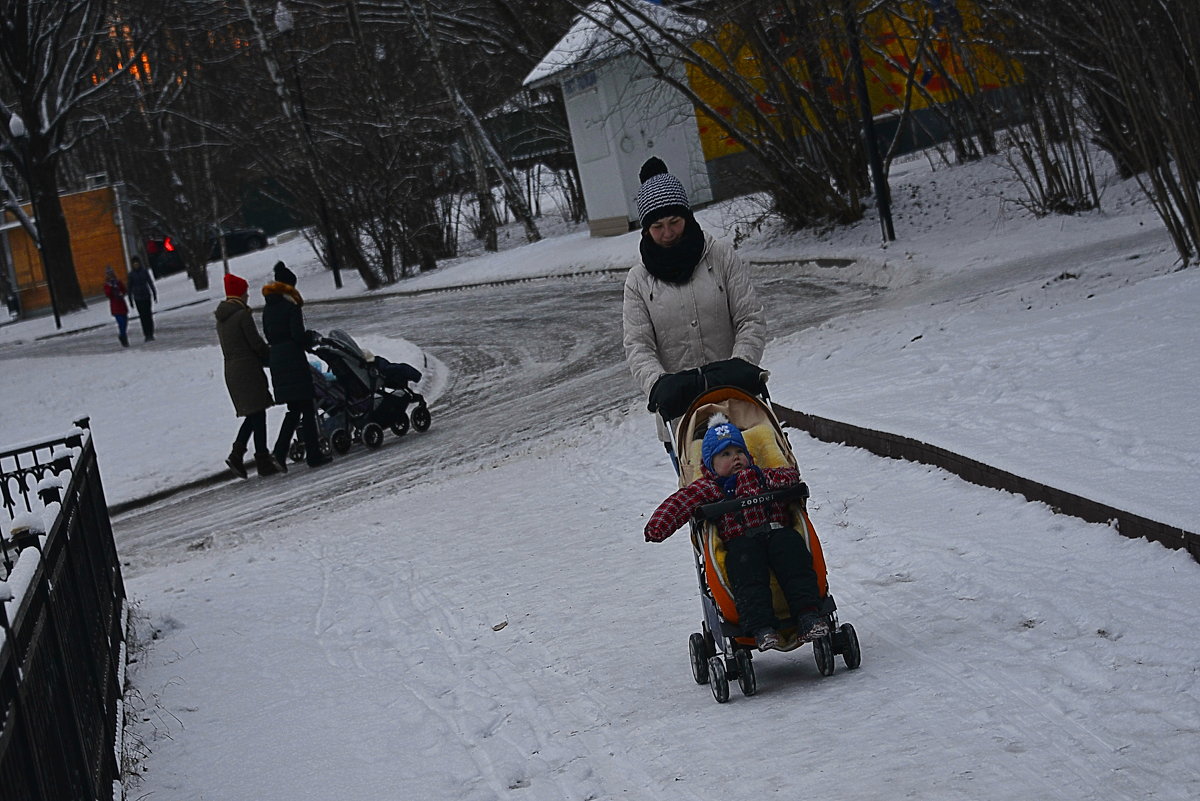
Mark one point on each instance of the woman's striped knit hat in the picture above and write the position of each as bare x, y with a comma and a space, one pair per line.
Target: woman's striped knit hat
661, 194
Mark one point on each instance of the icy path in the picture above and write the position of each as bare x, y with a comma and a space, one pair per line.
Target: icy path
428, 645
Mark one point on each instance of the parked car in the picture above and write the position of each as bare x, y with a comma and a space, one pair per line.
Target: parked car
237, 242
163, 259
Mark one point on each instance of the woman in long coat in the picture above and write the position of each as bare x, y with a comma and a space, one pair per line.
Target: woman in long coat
283, 326
690, 317
245, 355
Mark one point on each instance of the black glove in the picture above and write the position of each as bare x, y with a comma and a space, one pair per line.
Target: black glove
672, 393
736, 373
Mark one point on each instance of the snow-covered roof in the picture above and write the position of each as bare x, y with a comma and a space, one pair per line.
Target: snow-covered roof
601, 33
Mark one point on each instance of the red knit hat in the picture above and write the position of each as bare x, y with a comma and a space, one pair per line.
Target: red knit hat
235, 287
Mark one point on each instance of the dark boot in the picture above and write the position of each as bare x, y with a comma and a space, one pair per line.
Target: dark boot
266, 465
124, 340
235, 460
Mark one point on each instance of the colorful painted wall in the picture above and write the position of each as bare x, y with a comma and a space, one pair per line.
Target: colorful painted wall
928, 53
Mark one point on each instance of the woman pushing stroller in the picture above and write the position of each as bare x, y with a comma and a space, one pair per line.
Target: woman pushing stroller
289, 340
694, 333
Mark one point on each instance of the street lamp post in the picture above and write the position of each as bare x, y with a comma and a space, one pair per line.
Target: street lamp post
20, 135
284, 24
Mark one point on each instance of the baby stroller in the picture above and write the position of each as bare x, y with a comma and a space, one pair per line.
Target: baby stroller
721, 651
367, 394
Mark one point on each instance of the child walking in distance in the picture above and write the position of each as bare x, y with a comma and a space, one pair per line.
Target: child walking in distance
758, 539
114, 290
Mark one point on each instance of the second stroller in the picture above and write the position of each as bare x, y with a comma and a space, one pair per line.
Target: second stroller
366, 395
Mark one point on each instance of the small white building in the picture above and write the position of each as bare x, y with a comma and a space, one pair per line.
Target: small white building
620, 115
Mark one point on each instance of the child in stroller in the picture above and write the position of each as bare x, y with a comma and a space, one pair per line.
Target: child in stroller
759, 539
360, 394
764, 498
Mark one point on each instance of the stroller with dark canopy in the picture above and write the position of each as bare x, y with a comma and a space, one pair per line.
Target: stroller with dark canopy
722, 651
360, 396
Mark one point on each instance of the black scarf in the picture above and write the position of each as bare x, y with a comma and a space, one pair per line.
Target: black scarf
674, 264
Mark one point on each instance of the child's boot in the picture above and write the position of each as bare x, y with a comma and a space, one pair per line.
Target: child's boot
811, 626
235, 460
766, 639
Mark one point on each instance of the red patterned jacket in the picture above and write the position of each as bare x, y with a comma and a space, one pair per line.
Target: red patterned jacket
672, 513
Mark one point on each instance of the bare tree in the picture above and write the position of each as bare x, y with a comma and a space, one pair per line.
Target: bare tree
758, 71
482, 150
342, 112
170, 143
1132, 66
49, 74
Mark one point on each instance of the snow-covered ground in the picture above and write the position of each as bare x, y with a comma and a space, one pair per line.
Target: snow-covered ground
403, 647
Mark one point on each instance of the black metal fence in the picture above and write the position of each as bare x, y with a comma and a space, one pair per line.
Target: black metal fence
62, 647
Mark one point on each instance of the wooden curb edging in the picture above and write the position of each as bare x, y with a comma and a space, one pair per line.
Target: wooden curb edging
893, 446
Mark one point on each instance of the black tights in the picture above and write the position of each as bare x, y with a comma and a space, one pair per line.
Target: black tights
304, 414
255, 424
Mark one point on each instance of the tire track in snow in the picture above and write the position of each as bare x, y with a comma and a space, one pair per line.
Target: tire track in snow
477, 696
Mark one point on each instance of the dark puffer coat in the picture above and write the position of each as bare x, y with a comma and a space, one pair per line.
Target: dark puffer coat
283, 326
245, 357
141, 284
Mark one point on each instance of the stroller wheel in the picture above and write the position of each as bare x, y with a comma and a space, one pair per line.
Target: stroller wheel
372, 435
324, 446
848, 640
717, 680
296, 451
421, 418
400, 427
745, 666
340, 439
698, 651
823, 654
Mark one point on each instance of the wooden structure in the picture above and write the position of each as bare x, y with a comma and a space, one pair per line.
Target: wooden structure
96, 221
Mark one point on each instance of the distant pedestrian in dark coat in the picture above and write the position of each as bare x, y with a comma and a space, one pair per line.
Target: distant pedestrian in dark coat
246, 357
283, 326
114, 290
142, 289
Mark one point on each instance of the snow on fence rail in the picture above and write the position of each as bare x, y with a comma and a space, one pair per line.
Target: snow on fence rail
62, 624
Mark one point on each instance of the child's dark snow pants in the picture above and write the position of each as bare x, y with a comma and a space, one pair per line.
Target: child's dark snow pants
748, 560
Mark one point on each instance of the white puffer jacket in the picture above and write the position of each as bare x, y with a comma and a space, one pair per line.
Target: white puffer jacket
715, 316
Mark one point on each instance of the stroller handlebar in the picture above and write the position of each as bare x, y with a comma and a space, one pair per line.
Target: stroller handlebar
792, 492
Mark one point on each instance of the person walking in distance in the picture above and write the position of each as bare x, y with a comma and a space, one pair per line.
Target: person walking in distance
283, 327
114, 290
142, 290
245, 355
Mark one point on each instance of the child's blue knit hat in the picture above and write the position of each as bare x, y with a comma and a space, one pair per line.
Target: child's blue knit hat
720, 435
